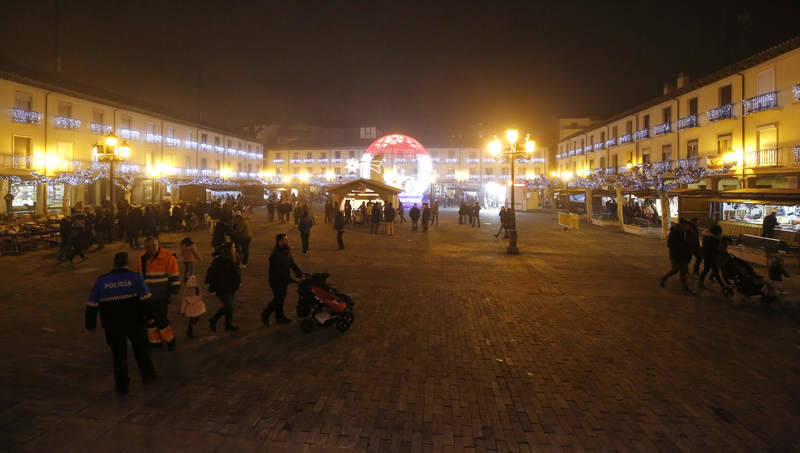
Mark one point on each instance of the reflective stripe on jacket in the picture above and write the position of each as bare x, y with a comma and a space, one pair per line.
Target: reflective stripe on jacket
160, 273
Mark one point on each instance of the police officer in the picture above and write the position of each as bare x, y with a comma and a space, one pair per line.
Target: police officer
121, 297
159, 268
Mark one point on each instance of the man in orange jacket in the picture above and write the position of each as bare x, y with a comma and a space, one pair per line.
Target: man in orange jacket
159, 268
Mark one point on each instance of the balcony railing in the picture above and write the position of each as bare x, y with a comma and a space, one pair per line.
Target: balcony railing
63, 122
129, 134
571, 152
598, 146
295, 161
152, 138
451, 160
205, 147
309, 161
760, 103
761, 158
611, 170
19, 162
722, 112
687, 122
190, 144
588, 148
323, 161
642, 134
661, 129
796, 92
689, 162
796, 154
172, 141
665, 166
623, 139
26, 116
219, 149
100, 128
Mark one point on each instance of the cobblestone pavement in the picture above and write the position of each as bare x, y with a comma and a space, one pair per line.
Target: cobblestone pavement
570, 346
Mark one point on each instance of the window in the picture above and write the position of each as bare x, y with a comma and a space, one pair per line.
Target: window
591, 140
216, 141
149, 128
591, 164
188, 162
646, 157
691, 149
505, 171
451, 154
765, 81
65, 109
581, 147
473, 155
629, 127
725, 95
203, 163
23, 101
337, 155
667, 115
204, 138
614, 132
277, 156
170, 132
602, 162
248, 147
230, 143
724, 143
602, 137
22, 152
240, 167
97, 116
308, 157
323, 156
646, 122
308, 171
126, 123
614, 161
666, 153
218, 164
279, 171
352, 154
693, 106
767, 137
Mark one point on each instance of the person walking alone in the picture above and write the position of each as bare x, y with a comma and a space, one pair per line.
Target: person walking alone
679, 254
304, 226
281, 264
242, 237
426, 216
388, 217
502, 216
476, 215
338, 225
414, 214
121, 297
223, 279
377, 213
189, 256
435, 213
401, 212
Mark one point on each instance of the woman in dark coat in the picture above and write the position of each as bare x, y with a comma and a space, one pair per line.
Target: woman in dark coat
223, 279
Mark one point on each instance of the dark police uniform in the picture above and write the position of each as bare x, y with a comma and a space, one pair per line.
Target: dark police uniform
121, 297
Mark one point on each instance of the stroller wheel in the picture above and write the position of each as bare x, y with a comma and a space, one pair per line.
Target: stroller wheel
342, 325
349, 316
307, 325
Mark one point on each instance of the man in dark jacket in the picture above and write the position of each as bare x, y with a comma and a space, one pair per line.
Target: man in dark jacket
426, 216
414, 214
376, 213
121, 297
679, 254
711, 248
223, 278
768, 227
388, 217
693, 239
304, 226
281, 264
338, 225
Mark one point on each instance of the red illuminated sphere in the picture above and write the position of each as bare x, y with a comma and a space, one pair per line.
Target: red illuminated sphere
397, 146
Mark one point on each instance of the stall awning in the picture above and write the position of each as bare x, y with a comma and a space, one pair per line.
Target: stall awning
754, 201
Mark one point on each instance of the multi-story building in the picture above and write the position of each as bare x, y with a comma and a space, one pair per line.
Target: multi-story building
748, 113
51, 128
460, 166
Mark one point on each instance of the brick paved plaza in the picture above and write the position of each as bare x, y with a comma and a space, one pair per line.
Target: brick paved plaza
570, 346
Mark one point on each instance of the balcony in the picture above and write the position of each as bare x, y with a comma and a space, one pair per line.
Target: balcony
26, 116
152, 138
761, 158
624, 139
664, 166
687, 122
611, 170
18, 162
473, 161
205, 147
219, 149
661, 129
642, 134
129, 134
189, 144
172, 141
691, 162
63, 122
571, 152
323, 161
451, 160
588, 148
308, 161
598, 146
336, 161
766, 101
578, 151
611, 142
100, 128
796, 92
295, 161
720, 113
277, 161
796, 155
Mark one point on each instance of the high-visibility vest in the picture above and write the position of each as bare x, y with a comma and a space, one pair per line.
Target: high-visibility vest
160, 273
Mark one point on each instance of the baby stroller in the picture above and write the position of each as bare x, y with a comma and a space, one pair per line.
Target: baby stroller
321, 304
745, 280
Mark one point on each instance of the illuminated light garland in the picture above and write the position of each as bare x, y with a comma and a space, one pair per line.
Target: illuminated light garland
642, 134
598, 146
663, 128
26, 116
759, 103
588, 148
796, 91
63, 122
152, 138
99, 128
611, 142
723, 112
172, 141
624, 139
687, 122
205, 147
190, 144
796, 151
129, 134
219, 149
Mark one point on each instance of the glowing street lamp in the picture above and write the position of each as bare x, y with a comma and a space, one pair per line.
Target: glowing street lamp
111, 151
514, 151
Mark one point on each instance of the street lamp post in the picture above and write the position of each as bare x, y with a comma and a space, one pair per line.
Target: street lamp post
513, 152
110, 152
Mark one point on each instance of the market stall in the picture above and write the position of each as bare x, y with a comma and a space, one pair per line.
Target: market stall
18, 236
742, 211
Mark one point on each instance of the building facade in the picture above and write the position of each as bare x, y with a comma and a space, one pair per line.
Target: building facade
51, 130
747, 114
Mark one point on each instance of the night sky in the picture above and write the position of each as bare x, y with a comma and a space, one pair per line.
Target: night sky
396, 65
